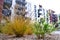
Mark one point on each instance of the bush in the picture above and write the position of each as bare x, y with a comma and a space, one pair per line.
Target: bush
6, 29
18, 27
28, 31
41, 29
1, 27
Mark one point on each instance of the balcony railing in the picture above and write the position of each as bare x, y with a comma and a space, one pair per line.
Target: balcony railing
21, 2
6, 12
8, 1
19, 7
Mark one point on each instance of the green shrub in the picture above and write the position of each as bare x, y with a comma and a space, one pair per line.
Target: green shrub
42, 29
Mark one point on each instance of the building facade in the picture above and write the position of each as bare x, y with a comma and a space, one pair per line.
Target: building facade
1, 7
6, 12
41, 13
12, 9
18, 8
51, 18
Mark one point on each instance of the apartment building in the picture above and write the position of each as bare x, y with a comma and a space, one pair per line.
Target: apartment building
6, 12
18, 8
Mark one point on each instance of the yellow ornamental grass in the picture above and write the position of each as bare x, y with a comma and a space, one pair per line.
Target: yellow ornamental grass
28, 31
7, 29
18, 27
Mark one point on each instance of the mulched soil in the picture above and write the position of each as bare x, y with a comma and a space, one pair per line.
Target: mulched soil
29, 37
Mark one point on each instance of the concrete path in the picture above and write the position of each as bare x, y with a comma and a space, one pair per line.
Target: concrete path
56, 32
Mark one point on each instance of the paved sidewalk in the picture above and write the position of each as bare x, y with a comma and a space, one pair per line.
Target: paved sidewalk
56, 32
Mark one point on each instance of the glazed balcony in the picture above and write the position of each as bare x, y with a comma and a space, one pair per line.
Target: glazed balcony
8, 3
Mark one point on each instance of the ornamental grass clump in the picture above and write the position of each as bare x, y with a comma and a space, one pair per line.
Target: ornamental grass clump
7, 29
18, 27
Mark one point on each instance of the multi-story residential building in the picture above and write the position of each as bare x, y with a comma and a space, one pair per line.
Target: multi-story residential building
18, 8
50, 16
38, 13
13, 8
6, 9
41, 13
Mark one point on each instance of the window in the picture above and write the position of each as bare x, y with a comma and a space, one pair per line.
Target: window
19, 8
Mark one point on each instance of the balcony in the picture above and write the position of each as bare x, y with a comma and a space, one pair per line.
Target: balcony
19, 7
8, 3
6, 12
21, 2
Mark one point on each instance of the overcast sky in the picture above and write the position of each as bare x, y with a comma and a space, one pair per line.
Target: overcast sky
48, 4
